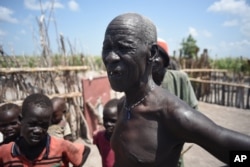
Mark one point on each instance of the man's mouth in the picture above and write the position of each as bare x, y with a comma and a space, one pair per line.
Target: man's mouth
114, 73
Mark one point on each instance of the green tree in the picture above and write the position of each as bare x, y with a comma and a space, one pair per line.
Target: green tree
189, 48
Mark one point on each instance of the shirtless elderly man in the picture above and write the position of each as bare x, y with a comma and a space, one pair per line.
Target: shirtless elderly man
153, 124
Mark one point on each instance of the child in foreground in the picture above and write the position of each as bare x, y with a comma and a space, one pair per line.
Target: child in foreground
35, 147
102, 138
10, 117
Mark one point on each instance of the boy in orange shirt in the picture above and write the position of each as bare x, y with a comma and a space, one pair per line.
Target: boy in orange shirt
35, 147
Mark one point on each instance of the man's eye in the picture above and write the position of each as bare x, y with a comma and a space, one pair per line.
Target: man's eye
106, 48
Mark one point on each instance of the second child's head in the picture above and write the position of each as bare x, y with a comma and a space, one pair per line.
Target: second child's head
110, 116
37, 112
10, 117
59, 108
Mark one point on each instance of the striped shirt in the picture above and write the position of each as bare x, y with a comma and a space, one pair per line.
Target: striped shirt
57, 153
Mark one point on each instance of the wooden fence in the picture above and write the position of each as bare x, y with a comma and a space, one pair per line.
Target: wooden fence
17, 83
221, 87
212, 86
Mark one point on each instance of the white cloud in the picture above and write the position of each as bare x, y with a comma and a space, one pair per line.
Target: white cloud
192, 31
2, 33
201, 33
6, 15
237, 8
35, 4
230, 23
73, 5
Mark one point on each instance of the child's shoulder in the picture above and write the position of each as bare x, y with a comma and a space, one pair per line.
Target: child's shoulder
5, 149
98, 133
62, 123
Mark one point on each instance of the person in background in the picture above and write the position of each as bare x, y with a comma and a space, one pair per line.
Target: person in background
173, 80
10, 117
154, 124
102, 138
166, 73
35, 147
59, 126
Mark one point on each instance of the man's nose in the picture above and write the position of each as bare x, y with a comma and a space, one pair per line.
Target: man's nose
112, 57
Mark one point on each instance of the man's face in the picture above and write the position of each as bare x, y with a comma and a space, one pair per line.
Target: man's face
123, 55
34, 126
10, 125
158, 70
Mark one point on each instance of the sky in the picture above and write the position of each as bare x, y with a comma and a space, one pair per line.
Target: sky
220, 26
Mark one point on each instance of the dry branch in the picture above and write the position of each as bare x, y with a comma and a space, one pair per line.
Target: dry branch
43, 69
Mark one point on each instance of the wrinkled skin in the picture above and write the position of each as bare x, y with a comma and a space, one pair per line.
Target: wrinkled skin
161, 123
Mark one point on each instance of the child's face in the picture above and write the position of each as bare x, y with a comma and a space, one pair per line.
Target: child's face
10, 125
59, 109
109, 119
35, 125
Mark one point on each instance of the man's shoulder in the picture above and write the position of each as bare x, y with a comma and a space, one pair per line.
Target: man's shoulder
164, 97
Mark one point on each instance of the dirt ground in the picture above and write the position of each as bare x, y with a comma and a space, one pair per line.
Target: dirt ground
232, 118
229, 117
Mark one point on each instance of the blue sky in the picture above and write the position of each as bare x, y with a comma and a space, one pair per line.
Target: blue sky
221, 26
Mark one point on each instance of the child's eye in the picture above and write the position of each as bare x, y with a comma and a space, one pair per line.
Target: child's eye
31, 124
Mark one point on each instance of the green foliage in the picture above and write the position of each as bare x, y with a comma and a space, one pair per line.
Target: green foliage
189, 47
57, 60
32, 62
3, 63
232, 64
76, 60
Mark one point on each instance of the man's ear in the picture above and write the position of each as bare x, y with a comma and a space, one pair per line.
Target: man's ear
154, 52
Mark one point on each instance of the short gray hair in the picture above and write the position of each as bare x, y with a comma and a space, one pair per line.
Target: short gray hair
146, 28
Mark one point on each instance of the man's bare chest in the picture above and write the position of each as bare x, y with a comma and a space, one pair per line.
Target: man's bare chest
142, 139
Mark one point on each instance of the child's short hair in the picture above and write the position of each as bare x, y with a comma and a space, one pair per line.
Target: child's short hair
36, 100
11, 106
111, 103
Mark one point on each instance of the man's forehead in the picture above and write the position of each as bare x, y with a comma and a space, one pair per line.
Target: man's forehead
121, 38
122, 33
121, 30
